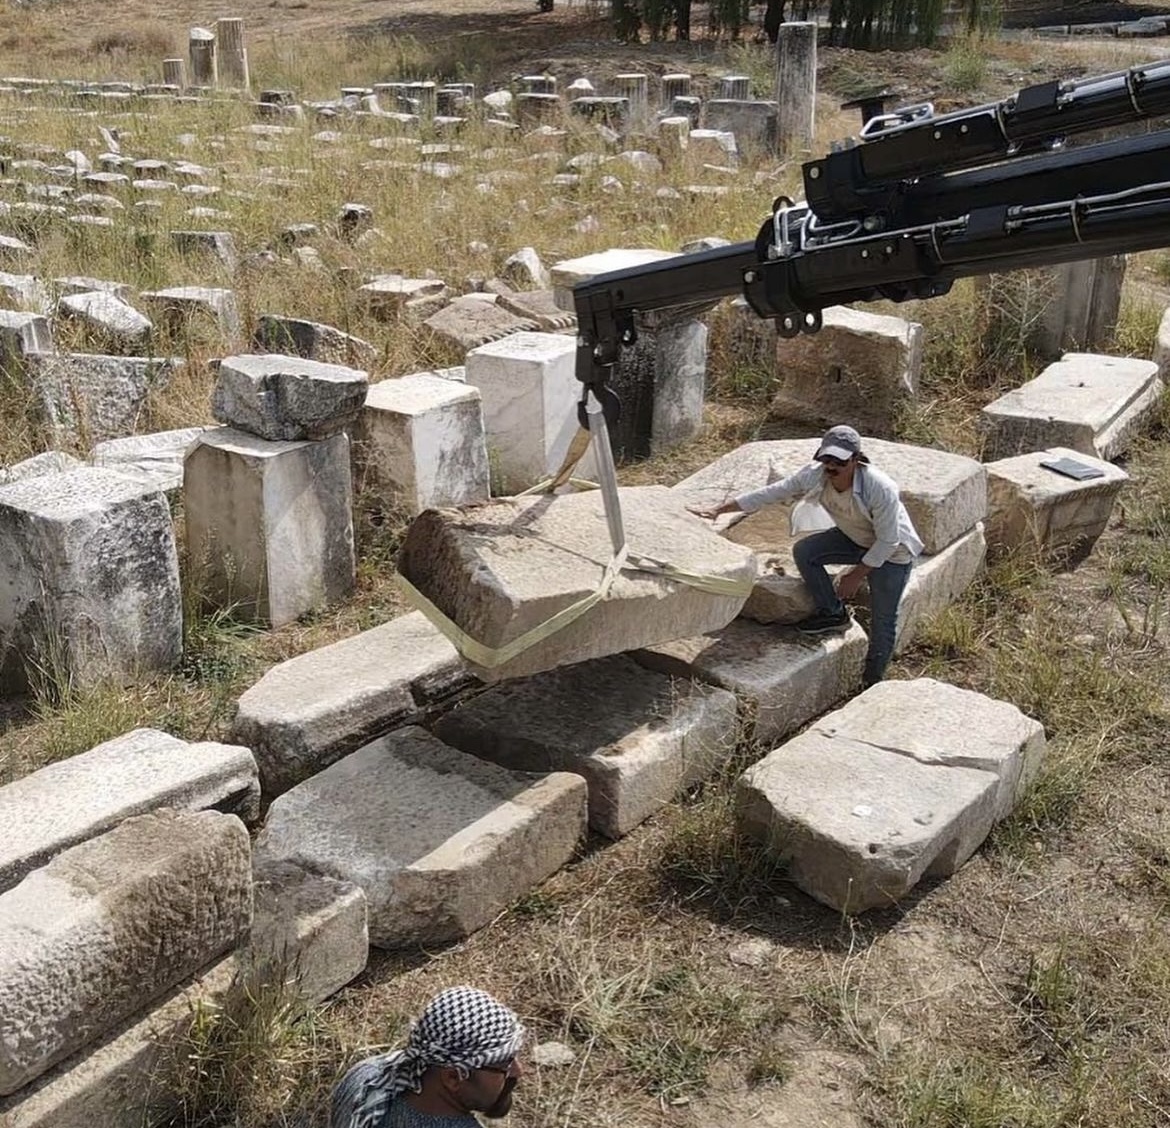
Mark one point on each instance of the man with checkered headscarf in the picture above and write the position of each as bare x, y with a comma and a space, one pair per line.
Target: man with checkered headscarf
460, 1059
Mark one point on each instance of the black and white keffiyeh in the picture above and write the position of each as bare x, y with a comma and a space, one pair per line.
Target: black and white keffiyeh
462, 1027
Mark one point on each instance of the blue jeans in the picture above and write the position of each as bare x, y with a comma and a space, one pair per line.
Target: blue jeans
886, 584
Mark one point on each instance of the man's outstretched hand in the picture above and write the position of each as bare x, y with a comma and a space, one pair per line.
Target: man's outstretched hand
710, 512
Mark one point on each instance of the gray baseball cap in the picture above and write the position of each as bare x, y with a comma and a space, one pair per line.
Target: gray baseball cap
840, 442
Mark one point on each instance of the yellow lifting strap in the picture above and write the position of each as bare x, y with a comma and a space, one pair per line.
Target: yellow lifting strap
489, 657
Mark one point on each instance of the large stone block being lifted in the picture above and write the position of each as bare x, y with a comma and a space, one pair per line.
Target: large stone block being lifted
502, 569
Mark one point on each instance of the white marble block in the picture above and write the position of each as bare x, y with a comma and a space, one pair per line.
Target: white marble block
89, 578
270, 524
530, 391
422, 444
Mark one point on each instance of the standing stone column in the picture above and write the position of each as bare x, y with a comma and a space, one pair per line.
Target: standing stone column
175, 73
635, 89
675, 86
201, 52
233, 55
736, 87
796, 84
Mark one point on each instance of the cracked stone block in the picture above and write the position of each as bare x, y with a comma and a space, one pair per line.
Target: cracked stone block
904, 781
309, 711
524, 270
502, 569
179, 306
77, 799
270, 524
440, 841
469, 322
655, 737
422, 444
1032, 506
109, 925
1094, 405
108, 317
90, 574
313, 341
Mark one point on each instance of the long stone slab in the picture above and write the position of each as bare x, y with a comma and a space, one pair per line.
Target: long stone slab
502, 569
1092, 404
77, 799
781, 679
1033, 506
308, 712
945, 494
440, 841
306, 928
637, 737
110, 925
156, 459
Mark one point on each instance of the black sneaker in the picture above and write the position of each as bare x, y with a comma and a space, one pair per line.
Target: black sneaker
822, 623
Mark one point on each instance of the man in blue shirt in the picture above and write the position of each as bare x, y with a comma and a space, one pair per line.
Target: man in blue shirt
872, 531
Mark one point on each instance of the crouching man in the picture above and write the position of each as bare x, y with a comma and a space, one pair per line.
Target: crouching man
871, 530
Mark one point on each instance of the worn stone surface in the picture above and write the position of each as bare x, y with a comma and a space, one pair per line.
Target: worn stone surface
177, 306
85, 398
538, 307
421, 443
781, 679
387, 295
499, 570
653, 737
47, 462
524, 270
111, 924
313, 341
680, 376
219, 245
754, 123
76, 799
945, 494
440, 841
155, 459
108, 317
862, 367
287, 397
469, 322
1095, 405
22, 333
270, 524
565, 275
529, 392
309, 711
1034, 507
89, 577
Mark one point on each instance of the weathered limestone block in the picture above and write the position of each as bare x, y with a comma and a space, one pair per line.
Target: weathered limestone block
781, 679
537, 306
714, 147
441, 842
387, 295
296, 337
20, 334
155, 459
861, 367
679, 382
796, 84
109, 925
270, 524
219, 245
24, 292
469, 322
524, 270
499, 570
1032, 506
90, 577
530, 391
1095, 405
637, 737
287, 397
47, 462
232, 53
421, 442
565, 275
309, 711
754, 124
79, 284
202, 55
179, 306
945, 494
76, 799
85, 398
308, 930
106, 315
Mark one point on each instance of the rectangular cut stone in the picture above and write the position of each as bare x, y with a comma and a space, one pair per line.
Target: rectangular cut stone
653, 737
530, 391
90, 578
502, 569
111, 924
859, 826
781, 679
440, 841
1092, 404
155, 459
754, 123
940, 724
307, 931
310, 711
1034, 507
945, 494
861, 366
313, 341
565, 275
20, 334
270, 524
77, 799
421, 442
178, 306
469, 322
